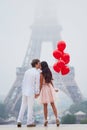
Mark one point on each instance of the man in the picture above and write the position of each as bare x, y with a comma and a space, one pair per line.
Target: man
30, 90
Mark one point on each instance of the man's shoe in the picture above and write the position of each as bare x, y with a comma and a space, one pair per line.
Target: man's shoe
31, 125
19, 124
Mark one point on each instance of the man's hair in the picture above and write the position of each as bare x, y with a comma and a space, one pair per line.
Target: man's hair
34, 62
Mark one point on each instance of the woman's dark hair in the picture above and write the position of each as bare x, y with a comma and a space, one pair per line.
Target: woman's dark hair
34, 62
47, 74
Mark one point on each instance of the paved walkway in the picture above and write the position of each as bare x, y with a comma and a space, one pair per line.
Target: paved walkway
53, 127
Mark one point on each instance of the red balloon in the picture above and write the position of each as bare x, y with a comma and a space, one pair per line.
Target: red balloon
65, 70
60, 63
66, 58
57, 54
61, 45
56, 68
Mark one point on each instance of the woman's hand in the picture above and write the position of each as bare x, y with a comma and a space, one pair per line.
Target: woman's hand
37, 95
56, 90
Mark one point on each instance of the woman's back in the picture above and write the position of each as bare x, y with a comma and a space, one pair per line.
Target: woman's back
47, 75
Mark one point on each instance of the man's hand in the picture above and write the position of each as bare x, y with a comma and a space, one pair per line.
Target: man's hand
36, 95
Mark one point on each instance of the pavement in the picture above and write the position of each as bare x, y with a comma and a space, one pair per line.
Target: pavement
41, 127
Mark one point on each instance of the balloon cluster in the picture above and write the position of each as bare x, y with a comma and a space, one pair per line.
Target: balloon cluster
62, 57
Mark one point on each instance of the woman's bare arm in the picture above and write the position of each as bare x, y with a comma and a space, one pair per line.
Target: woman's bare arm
52, 83
53, 86
41, 81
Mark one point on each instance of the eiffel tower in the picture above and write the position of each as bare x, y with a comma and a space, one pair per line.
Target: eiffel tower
44, 28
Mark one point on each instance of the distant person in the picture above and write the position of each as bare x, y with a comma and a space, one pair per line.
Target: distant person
47, 92
30, 90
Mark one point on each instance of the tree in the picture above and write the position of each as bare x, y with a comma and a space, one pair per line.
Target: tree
68, 119
3, 113
83, 121
82, 106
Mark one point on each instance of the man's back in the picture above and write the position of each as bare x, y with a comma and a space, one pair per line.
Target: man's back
31, 79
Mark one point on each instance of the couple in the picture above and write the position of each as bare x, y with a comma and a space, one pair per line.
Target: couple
37, 81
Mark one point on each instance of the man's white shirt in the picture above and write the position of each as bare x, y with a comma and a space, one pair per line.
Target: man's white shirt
31, 82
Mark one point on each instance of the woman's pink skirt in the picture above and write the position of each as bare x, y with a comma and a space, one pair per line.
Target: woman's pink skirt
47, 94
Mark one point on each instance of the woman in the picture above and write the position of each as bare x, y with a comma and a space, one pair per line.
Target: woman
47, 91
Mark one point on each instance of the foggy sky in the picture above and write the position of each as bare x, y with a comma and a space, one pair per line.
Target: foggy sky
16, 17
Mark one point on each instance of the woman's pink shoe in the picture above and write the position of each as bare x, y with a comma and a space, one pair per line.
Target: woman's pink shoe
45, 123
57, 122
